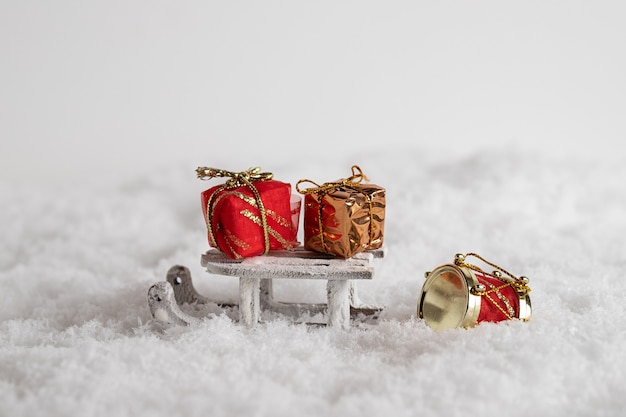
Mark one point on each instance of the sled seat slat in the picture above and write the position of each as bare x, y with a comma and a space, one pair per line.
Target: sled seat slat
281, 265
295, 264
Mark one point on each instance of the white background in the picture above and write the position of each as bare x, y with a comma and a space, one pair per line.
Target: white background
104, 89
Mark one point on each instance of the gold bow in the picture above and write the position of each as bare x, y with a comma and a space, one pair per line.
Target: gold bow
355, 179
237, 179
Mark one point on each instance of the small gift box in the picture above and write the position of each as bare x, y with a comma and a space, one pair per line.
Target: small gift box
250, 214
344, 217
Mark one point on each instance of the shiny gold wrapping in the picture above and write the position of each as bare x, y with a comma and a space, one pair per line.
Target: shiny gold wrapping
345, 220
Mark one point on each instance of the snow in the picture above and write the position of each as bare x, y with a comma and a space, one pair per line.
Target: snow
496, 129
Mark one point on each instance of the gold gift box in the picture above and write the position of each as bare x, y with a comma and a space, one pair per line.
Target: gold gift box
345, 217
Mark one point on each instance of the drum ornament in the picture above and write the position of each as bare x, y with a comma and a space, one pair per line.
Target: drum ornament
463, 295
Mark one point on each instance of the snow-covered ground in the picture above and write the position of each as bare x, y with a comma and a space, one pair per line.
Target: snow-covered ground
495, 128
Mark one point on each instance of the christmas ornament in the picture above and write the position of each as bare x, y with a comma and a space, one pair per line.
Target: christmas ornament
463, 295
343, 217
250, 214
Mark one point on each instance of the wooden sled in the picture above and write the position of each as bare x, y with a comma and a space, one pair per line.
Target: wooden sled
256, 277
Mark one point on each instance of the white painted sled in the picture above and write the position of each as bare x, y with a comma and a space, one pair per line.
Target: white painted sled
256, 275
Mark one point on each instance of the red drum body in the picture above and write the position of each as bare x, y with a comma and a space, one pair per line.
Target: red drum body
457, 296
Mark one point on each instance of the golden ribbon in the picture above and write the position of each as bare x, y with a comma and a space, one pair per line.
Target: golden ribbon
321, 190
520, 285
355, 179
237, 179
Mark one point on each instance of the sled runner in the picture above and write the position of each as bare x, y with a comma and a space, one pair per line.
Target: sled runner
256, 277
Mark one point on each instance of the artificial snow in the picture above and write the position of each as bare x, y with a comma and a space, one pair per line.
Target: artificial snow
77, 338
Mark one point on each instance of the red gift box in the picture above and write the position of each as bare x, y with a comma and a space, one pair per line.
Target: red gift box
250, 214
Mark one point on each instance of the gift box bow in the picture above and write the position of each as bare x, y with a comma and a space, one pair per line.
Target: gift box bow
237, 179
355, 179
